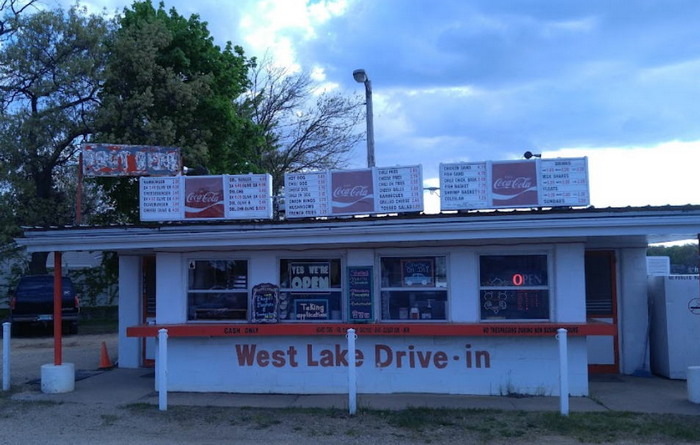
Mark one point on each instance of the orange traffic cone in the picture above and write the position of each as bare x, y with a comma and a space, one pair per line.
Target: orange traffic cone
105, 362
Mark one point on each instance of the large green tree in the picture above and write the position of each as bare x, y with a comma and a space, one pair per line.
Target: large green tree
168, 84
51, 65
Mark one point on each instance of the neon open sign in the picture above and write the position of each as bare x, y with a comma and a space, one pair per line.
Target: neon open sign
518, 279
530, 279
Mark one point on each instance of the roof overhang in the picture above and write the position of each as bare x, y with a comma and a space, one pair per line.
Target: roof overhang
614, 227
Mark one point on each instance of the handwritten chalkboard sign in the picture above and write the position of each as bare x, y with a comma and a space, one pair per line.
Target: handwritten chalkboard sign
521, 304
360, 293
265, 300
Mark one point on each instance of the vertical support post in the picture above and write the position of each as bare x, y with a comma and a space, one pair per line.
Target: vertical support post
162, 365
352, 374
6, 329
57, 309
563, 372
79, 192
370, 124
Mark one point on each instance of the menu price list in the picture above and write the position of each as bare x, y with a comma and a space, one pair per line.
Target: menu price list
306, 194
249, 196
400, 189
160, 198
464, 186
564, 182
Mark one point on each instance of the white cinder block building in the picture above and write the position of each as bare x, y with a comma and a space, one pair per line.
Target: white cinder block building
459, 303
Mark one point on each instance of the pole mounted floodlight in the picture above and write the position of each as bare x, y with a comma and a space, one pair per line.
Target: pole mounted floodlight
528, 155
361, 76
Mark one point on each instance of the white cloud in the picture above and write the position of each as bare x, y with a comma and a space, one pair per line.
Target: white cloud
626, 176
278, 27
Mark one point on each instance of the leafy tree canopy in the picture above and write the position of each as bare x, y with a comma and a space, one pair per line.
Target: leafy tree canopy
684, 258
51, 64
168, 84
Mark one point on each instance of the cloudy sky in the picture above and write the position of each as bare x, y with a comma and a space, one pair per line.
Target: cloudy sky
475, 80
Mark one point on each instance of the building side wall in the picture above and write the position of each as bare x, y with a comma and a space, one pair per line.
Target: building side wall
130, 310
318, 365
633, 311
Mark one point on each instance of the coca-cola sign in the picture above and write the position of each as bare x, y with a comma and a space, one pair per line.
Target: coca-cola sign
204, 197
514, 184
352, 192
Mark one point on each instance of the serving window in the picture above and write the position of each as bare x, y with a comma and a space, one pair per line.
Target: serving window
414, 288
514, 287
310, 290
217, 290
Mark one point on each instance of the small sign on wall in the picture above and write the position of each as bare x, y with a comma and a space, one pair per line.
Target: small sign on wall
264, 303
360, 293
311, 309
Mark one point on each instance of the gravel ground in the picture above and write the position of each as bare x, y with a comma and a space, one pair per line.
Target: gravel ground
106, 422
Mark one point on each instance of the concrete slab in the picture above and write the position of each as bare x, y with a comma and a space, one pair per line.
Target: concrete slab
607, 393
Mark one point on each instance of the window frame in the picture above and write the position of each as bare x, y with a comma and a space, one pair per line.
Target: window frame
240, 292
548, 287
286, 300
419, 287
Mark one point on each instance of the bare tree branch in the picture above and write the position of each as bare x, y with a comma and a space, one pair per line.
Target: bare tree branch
301, 129
10, 10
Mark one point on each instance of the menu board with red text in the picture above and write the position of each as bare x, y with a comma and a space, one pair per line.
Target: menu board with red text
354, 192
181, 198
557, 182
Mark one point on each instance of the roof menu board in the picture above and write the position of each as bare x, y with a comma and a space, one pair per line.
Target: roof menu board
463, 186
354, 192
559, 182
161, 198
249, 196
205, 197
564, 182
399, 189
306, 194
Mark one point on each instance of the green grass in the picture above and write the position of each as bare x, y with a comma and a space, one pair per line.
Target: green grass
441, 425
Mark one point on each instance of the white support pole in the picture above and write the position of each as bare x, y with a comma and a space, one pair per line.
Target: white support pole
563, 372
352, 375
162, 364
6, 329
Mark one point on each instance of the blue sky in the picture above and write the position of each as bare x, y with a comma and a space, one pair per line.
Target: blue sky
475, 80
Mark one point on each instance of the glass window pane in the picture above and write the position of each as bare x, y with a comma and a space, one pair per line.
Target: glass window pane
513, 270
413, 288
310, 289
514, 287
217, 290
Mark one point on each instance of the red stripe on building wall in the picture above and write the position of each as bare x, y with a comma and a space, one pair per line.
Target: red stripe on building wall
388, 329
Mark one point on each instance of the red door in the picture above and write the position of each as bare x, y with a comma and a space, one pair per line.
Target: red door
601, 306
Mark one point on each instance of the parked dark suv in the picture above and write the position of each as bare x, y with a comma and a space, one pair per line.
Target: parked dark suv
31, 304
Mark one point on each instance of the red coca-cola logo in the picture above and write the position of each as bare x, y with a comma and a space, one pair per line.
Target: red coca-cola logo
519, 183
358, 191
352, 191
204, 197
514, 184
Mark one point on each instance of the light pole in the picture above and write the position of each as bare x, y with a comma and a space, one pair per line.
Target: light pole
361, 76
